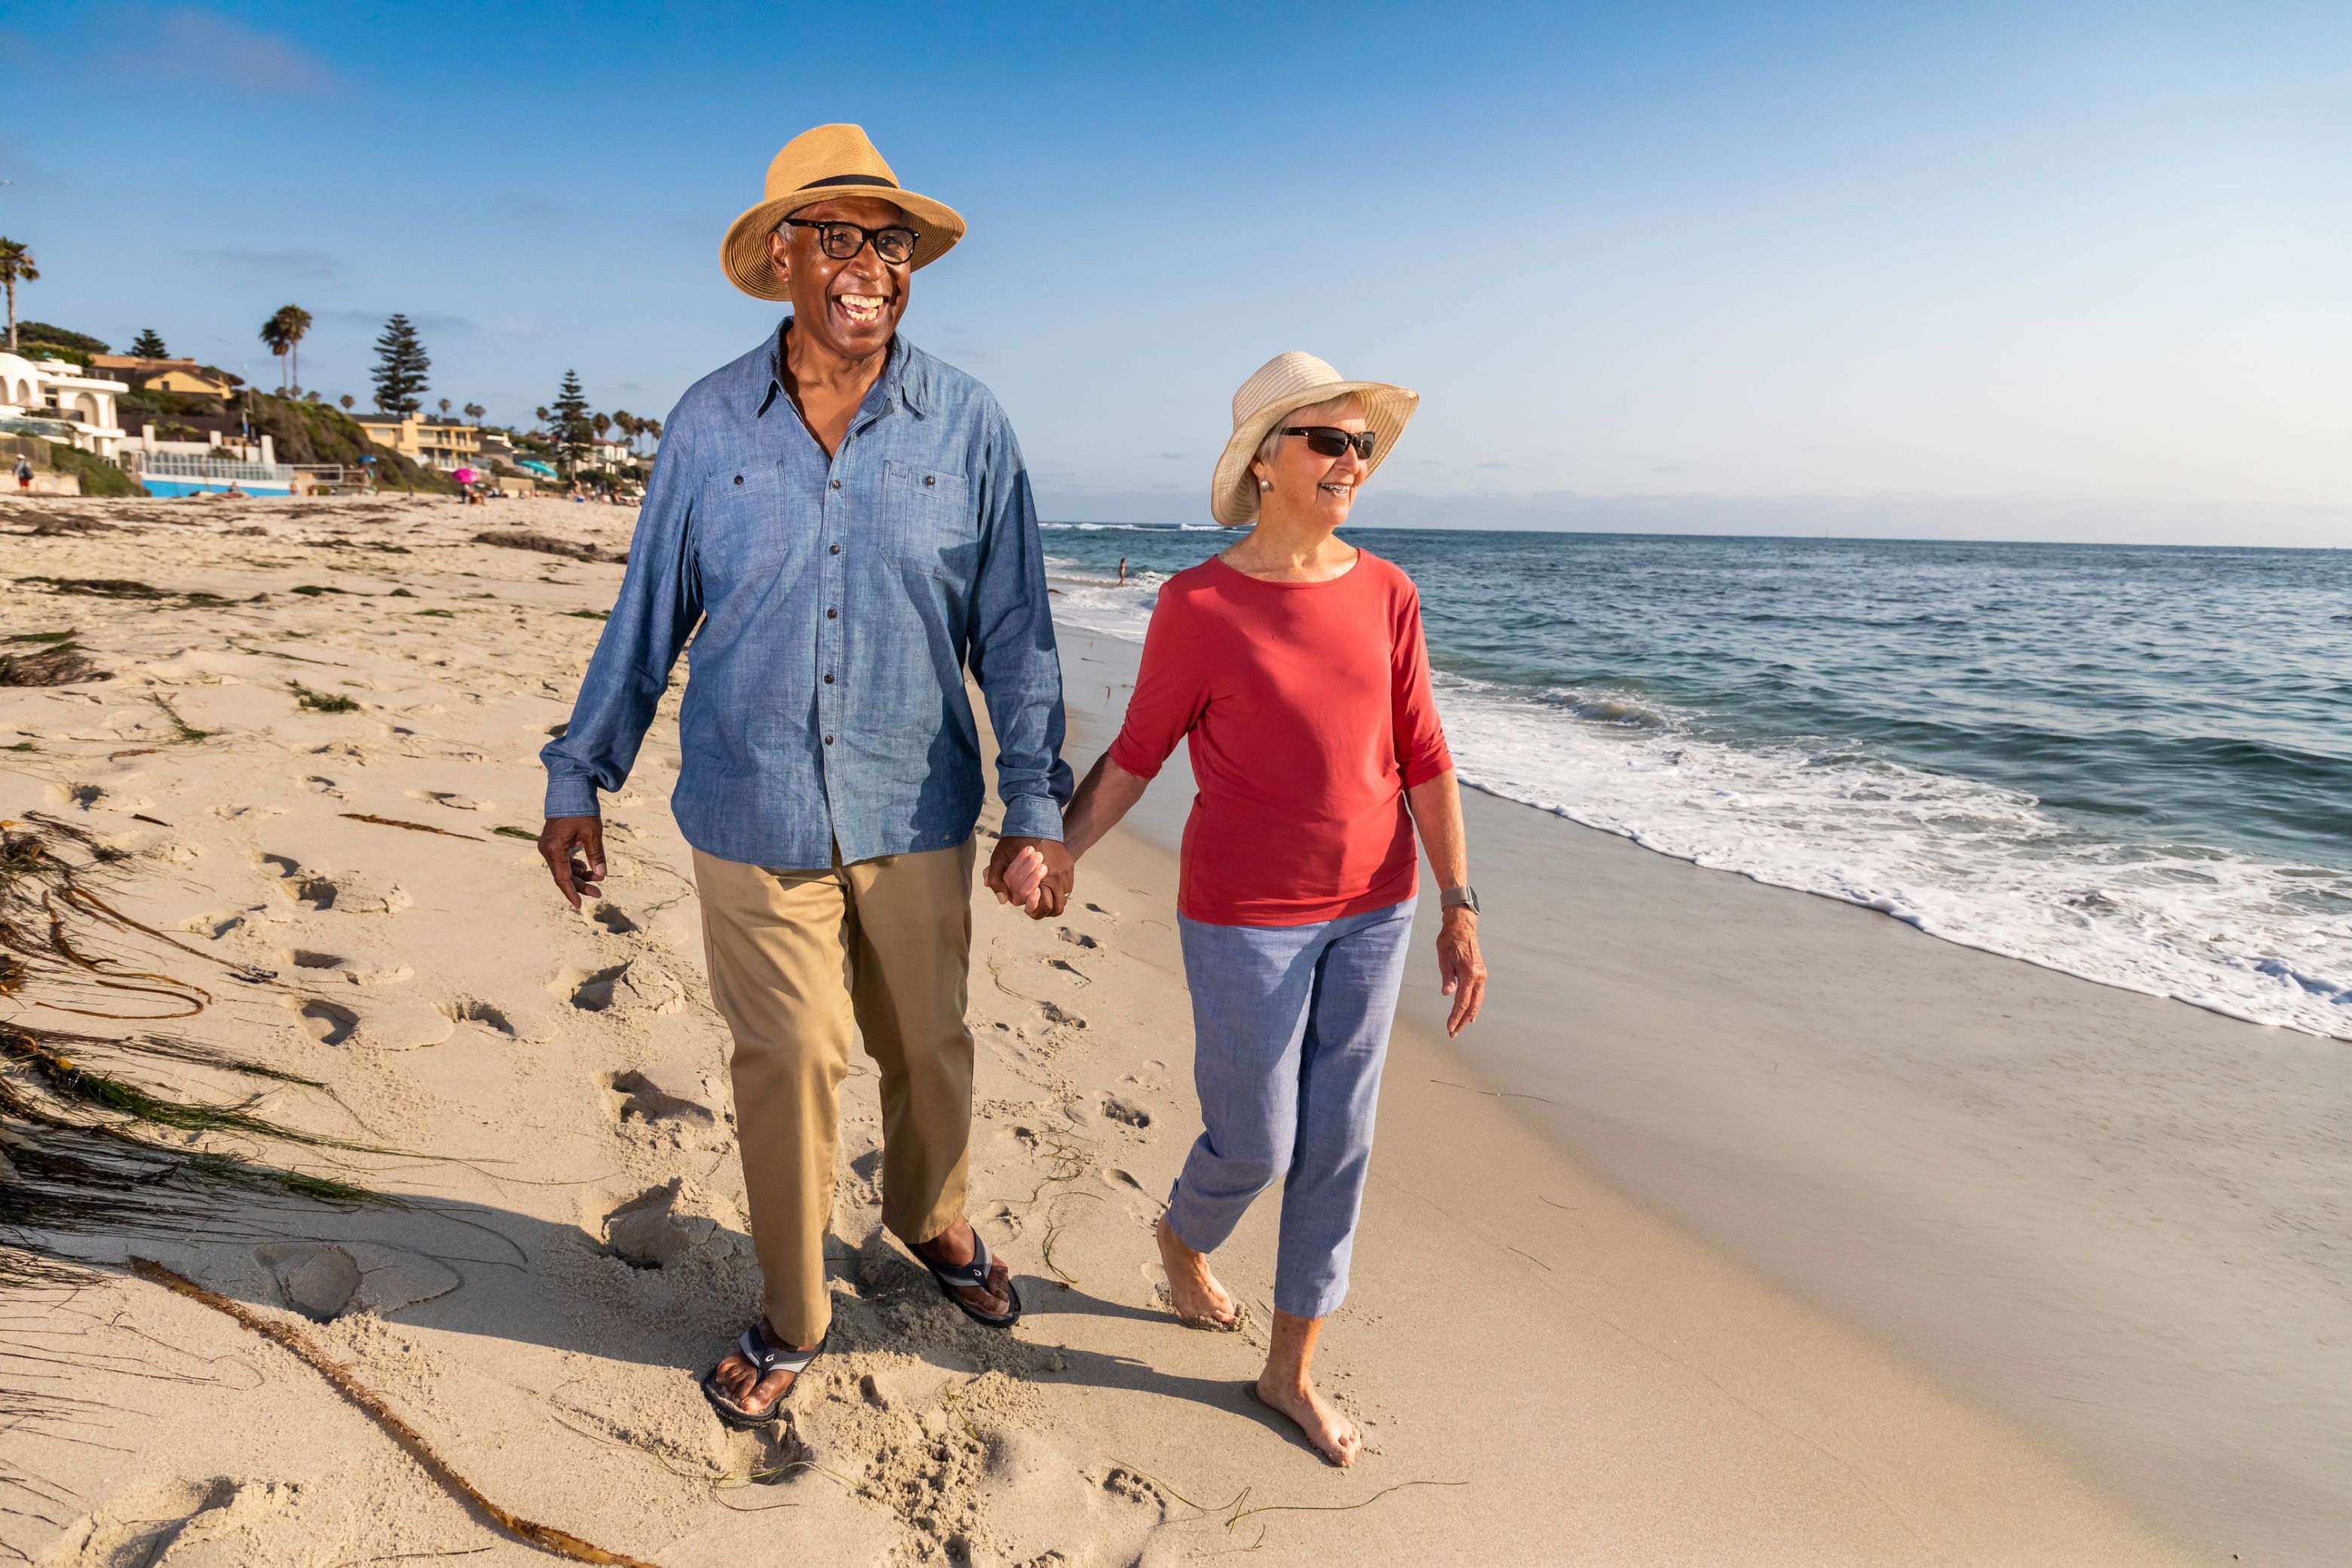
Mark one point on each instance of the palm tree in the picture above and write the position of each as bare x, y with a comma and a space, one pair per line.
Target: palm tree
474, 411
445, 409
542, 415
603, 424
347, 400
15, 263
282, 332
273, 335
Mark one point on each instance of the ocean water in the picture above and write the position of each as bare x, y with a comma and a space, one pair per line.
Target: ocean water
2131, 764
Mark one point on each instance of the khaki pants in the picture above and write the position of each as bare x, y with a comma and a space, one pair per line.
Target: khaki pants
798, 960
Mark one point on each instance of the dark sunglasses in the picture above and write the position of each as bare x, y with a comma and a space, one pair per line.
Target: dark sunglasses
895, 244
1329, 440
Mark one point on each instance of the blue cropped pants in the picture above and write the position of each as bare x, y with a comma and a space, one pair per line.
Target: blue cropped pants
1290, 1028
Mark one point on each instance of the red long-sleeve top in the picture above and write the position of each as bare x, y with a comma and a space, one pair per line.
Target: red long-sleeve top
1309, 714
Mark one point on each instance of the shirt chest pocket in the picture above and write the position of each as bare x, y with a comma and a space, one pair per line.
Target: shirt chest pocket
926, 521
740, 526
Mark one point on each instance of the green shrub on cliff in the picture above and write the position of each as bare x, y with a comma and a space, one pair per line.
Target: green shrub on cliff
99, 477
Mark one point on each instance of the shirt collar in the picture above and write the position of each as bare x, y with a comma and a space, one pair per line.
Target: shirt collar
903, 375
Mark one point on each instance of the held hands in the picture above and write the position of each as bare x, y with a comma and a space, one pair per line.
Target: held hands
574, 849
1037, 874
1460, 967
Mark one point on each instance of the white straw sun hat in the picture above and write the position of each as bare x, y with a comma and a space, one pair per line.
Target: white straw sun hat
1284, 383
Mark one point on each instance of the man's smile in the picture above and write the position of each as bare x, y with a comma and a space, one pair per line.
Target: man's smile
861, 309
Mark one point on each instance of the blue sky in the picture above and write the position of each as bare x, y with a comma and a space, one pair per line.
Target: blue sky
2039, 270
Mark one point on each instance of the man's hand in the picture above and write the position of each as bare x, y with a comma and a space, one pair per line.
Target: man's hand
574, 849
1459, 965
1035, 873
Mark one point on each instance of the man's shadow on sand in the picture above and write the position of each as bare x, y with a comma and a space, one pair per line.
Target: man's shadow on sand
471, 1268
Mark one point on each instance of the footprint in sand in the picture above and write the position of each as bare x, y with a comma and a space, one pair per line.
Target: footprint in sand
317, 891
642, 1100
329, 1023
1127, 1113
474, 1010
638, 985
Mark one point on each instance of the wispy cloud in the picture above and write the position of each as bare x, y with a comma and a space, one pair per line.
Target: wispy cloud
295, 266
538, 209
155, 44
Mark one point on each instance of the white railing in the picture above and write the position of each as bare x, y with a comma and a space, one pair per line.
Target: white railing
177, 465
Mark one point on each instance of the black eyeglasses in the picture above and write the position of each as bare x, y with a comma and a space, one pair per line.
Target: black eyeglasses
895, 244
1329, 440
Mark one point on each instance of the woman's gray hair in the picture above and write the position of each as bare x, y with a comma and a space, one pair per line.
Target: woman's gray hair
1312, 413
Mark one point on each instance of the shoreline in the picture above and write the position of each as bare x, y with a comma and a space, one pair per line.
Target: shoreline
1548, 1369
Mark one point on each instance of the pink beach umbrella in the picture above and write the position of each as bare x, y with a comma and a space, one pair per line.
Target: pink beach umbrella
466, 476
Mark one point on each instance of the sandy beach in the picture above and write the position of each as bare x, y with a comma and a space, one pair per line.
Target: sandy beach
1598, 1315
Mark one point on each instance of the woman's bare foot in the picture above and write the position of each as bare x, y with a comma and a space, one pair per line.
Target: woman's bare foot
1194, 1292
741, 1382
1300, 1400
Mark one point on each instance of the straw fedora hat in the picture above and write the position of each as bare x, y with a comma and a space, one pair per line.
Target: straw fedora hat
1283, 383
821, 165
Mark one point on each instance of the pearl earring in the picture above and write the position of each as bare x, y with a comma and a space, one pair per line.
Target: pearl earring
1266, 484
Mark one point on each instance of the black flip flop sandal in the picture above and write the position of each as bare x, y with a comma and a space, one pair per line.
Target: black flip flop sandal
965, 1275
766, 1360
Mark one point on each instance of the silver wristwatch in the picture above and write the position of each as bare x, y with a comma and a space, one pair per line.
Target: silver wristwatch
1464, 895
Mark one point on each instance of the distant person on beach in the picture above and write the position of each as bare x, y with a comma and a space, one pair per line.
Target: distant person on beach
24, 474
844, 525
1295, 664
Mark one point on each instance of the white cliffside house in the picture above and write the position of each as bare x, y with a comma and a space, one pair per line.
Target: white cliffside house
39, 395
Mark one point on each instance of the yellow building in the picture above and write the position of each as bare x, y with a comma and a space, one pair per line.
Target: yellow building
436, 443
165, 374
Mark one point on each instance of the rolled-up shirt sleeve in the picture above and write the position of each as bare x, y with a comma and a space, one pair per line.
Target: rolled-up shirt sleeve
1421, 750
1170, 691
659, 605
1011, 654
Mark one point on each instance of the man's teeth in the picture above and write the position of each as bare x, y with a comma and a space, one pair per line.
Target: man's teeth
862, 307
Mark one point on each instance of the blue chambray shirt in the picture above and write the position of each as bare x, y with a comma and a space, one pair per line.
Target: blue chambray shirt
838, 602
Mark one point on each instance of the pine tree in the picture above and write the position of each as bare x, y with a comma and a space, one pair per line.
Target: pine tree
401, 368
567, 420
149, 345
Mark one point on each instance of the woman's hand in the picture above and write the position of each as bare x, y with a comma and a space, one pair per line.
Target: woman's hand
1022, 881
1460, 967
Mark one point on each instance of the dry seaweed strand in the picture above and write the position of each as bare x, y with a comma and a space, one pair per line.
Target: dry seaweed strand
546, 1537
412, 826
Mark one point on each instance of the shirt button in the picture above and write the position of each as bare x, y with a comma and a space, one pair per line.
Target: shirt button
835, 550
836, 484
831, 612
828, 678
739, 478
930, 478
828, 740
